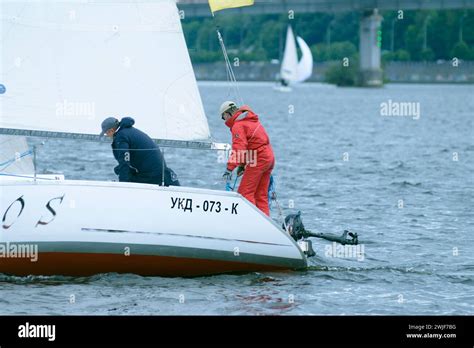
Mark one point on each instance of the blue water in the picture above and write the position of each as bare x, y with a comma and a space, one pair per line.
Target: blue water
404, 184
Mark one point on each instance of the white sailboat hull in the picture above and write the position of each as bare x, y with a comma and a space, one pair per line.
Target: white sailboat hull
88, 227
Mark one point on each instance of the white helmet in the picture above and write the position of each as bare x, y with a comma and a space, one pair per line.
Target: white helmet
226, 106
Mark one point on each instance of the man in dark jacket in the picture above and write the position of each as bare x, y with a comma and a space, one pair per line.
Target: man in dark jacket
140, 159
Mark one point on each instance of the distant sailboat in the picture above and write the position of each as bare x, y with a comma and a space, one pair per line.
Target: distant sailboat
294, 71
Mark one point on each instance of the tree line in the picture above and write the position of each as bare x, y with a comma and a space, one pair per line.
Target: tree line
406, 35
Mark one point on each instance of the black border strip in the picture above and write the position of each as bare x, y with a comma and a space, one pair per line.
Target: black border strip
314, 331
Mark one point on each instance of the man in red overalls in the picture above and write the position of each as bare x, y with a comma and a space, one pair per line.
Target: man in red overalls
251, 153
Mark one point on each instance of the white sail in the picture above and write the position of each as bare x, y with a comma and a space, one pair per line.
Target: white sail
305, 65
68, 65
289, 66
15, 156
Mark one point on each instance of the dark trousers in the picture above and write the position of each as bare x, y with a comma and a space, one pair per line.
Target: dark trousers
171, 179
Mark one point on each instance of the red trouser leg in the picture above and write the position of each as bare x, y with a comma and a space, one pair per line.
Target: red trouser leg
261, 195
250, 181
254, 185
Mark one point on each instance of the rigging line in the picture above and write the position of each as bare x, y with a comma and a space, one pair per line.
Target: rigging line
230, 73
24, 176
229, 68
233, 83
13, 160
280, 210
226, 57
280, 213
231, 89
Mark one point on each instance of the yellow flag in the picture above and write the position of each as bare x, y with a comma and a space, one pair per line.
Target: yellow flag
217, 5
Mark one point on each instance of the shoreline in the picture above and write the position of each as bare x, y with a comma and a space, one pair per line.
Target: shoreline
394, 72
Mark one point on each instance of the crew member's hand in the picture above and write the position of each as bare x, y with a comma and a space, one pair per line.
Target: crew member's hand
241, 170
227, 175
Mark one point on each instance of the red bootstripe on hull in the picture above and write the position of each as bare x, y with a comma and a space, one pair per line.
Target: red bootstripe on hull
81, 264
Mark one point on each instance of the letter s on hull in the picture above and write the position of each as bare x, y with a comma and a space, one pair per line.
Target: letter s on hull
48, 206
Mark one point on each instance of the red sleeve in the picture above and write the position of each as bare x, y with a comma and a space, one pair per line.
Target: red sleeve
239, 147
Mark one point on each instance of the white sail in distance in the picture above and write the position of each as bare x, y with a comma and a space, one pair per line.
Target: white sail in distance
305, 65
292, 70
289, 66
67, 65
